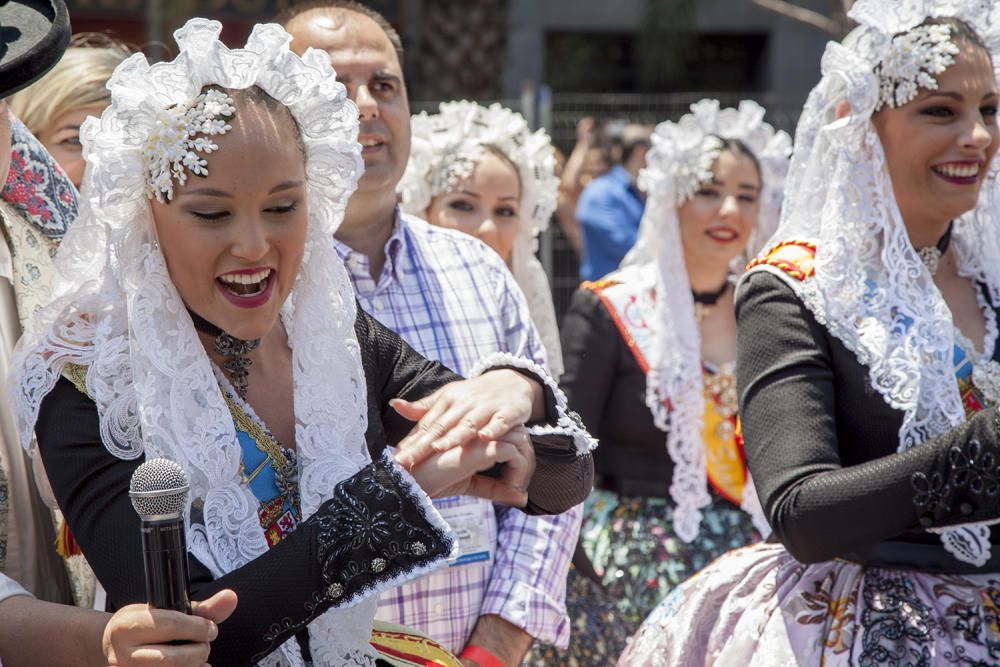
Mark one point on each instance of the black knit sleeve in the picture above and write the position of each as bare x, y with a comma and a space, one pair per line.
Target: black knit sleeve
323, 563
396, 370
818, 508
590, 357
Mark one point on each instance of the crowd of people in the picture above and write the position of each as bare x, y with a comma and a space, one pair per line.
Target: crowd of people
254, 262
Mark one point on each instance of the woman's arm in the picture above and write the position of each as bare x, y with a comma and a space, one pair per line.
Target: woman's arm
311, 570
41, 633
461, 413
818, 508
570, 184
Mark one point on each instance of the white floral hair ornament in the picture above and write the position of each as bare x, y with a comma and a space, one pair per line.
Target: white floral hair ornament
445, 149
118, 313
914, 58
681, 160
683, 153
870, 288
174, 143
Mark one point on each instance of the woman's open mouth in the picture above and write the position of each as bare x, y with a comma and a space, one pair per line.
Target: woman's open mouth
722, 234
247, 289
960, 173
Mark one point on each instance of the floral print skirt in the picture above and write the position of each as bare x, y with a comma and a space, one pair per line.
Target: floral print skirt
631, 540
759, 606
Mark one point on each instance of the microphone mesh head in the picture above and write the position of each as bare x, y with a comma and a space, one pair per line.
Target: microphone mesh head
159, 487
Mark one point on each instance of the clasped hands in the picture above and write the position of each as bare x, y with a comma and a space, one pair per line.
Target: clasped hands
467, 427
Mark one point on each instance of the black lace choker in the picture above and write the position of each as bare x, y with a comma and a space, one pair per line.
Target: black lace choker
237, 364
710, 298
931, 255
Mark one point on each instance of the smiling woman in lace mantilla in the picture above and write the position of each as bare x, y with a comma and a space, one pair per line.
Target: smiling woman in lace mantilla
867, 369
650, 351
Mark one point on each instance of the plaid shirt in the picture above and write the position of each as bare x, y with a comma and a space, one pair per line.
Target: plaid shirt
452, 299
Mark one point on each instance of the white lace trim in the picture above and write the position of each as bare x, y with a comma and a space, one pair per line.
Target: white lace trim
751, 505
567, 423
656, 263
117, 312
444, 151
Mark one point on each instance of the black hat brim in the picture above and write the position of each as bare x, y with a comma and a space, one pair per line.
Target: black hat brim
34, 35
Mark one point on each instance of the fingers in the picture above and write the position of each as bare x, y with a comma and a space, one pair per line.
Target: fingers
486, 407
511, 488
182, 655
455, 472
138, 624
409, 410
500, 424
441, 430
416, 447
497, 491
216, 608
138, 635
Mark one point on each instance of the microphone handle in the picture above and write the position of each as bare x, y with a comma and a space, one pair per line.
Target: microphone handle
164, 550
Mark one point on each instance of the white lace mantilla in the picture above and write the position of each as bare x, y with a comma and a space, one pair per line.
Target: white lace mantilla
870, 289
682, 157
118, 313
446, 147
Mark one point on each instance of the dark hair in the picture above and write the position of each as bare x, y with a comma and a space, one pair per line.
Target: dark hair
962, 30
630, 147
298, 7
255, 95
495, 151
737, 147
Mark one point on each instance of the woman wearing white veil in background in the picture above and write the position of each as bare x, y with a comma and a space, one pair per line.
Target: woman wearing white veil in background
482, 171
650, 351
868, 371
202, 314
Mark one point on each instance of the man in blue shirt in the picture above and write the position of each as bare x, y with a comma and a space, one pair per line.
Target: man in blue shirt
611, 206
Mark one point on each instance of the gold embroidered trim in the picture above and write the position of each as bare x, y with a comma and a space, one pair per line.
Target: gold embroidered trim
265, 441
77, 374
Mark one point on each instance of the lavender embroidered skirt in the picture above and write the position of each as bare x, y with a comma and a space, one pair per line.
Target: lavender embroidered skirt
758, 606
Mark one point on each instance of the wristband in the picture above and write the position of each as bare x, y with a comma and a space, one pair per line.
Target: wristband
481, 655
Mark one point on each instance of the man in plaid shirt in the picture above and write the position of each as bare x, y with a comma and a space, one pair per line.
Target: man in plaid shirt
453, 299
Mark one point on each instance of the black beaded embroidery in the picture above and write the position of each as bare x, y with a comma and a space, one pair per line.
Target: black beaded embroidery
972, 471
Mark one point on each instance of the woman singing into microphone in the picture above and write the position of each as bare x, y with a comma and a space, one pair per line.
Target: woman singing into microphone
203, 315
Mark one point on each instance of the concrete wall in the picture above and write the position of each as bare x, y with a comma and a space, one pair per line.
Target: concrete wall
791, 61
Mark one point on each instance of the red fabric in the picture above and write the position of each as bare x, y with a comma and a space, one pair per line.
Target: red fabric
484, 657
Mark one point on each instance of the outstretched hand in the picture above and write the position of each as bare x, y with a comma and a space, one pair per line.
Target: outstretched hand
483, 409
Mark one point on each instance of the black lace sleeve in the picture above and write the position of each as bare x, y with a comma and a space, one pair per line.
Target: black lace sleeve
373, 531
801, 416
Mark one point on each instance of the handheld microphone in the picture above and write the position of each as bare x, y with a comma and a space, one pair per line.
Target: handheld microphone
158, 491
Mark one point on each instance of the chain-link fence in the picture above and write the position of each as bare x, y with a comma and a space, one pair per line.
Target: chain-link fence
559, 113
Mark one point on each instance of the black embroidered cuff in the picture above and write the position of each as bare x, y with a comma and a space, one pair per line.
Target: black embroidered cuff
379, 530
965, 490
